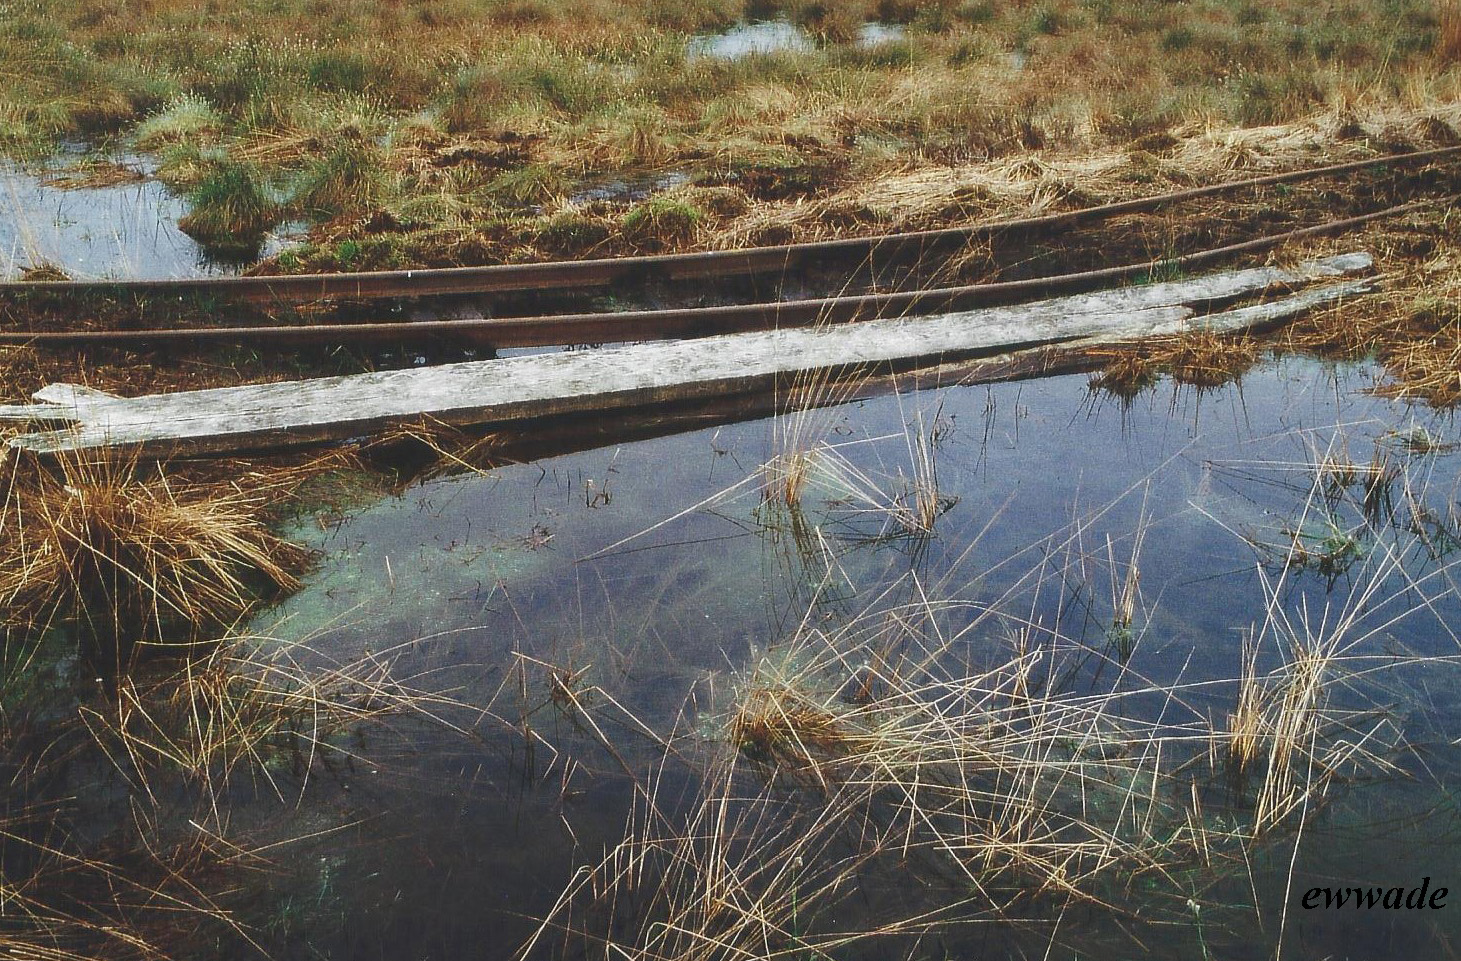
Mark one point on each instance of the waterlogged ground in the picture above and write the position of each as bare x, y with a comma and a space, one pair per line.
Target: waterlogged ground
646, 577
771, 36
124, 230
584, 623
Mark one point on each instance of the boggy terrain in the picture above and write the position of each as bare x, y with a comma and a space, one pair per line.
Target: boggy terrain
881, 671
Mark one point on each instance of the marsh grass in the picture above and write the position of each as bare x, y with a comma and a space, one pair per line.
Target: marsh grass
1200, 358
875, 749
349, 179
877, 504
662, 222
533, 184
230, 208
127, 556
186, 119
613, 90
1013, 769
174, 877
1448, 31
269, 709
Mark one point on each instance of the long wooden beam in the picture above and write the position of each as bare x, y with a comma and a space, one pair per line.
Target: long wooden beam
260, 416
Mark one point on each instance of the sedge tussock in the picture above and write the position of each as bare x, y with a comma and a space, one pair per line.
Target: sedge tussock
984, 783
128, 557
1200, 358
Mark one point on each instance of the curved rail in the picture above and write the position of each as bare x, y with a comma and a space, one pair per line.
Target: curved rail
501, 278
637, 325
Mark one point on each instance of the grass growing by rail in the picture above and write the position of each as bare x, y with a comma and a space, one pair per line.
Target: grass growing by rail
1413, 328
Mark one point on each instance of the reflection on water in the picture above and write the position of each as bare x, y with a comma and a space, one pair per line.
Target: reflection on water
594, 604
622, 189
770, 36
750, 39
603, 566
874, 33
127, 230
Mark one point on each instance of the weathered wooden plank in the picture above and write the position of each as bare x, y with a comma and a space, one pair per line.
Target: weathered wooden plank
293, 413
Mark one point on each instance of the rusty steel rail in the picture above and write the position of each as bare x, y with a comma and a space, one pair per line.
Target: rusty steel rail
580, 274
597, 328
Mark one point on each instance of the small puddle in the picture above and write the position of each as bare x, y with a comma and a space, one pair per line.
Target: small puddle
875, 34
750, 39
126, 229
627, 189
771, 36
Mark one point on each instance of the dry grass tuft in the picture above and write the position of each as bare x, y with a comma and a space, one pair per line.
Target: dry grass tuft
1448, 31
44, 272
1413, 328
1201, 358
1206, 359
132, 557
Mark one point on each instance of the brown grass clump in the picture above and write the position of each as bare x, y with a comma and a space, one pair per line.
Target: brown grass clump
44, 273
1246, 723
1205, 359
1125, 375
132, 557
788, 736
95, 173
1201, 358
1413, 329
1428, 369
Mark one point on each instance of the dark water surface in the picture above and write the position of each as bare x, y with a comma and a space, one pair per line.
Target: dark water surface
651, 574
574, 616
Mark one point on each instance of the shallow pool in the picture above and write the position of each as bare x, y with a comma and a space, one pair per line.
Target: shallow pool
598, 606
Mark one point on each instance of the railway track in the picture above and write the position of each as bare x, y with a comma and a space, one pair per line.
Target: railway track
304, 288
637, 325
537, 330
514, 390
